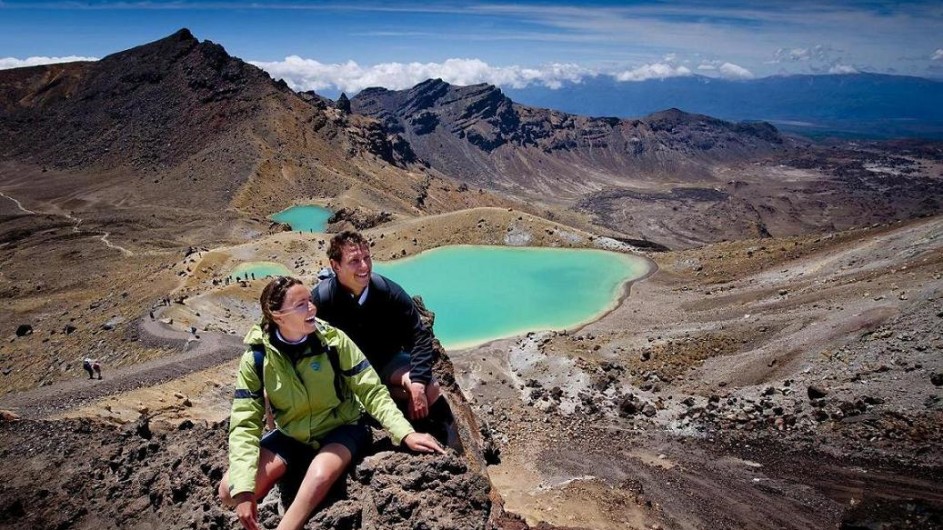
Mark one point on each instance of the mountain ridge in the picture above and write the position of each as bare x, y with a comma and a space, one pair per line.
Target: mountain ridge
191, 125
485, 127
869, 105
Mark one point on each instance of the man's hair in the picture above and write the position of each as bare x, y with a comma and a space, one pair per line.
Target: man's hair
335, 251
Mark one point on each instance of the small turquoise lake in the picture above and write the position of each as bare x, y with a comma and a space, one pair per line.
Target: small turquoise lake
481, 293
258, 270
306, 218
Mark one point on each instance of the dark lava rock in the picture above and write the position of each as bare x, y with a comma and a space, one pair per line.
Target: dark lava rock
142, 428
628, 407
361, 220
23, 330
937, 379
817, 392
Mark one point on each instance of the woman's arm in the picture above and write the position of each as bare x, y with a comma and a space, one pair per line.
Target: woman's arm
366, 384
245, 427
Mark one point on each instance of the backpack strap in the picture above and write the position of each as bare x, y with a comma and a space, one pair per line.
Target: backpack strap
334, 358
258, 359
322, 290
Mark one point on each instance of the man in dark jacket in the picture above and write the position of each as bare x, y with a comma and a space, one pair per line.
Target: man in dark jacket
378, 315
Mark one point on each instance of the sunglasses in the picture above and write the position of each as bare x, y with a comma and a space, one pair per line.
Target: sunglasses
299, 308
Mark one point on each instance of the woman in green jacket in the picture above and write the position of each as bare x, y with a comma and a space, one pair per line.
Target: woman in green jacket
315, 379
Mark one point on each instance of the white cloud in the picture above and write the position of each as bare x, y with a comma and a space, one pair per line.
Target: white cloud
733, 71
706, 66
652, 71
842, 69
308, 74
813, 53
12, 62
937, 55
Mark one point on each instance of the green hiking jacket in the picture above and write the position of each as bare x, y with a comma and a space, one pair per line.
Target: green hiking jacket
303, 399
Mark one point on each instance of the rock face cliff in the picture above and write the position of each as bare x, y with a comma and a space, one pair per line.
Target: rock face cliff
477, 134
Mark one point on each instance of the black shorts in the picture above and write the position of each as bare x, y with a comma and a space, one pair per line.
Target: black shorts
354, 436
397, 362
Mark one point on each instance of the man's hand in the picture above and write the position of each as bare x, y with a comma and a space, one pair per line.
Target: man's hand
418, 406
247, 510
423, 443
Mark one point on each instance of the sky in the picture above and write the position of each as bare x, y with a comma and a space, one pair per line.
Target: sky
329, 46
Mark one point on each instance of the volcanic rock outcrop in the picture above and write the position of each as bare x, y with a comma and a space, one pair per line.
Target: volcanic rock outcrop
479, 135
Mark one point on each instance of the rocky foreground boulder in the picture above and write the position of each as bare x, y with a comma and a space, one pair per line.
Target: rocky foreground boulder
82, 473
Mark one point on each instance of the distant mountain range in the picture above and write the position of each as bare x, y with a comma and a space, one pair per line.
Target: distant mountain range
479, 135
850, 105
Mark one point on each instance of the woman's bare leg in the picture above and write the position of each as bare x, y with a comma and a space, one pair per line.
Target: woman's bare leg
271, 468
325, 469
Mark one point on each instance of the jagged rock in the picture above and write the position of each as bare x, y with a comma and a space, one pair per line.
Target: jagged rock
343, 103
358, 219
142, 428
816, 392
629, 406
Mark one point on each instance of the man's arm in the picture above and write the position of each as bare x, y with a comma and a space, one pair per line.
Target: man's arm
418, 341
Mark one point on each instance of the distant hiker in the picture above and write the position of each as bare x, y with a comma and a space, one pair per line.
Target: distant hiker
93, 367
318, 417
383, 321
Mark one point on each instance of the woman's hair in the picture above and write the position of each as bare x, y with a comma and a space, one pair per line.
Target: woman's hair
273, 296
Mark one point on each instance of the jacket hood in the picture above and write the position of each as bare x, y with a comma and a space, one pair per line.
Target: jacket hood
255, 335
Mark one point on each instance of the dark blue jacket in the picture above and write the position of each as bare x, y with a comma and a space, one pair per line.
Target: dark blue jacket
386, 324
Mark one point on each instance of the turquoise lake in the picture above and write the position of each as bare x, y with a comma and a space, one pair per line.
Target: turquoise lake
305, 218
260, 269
482, 293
